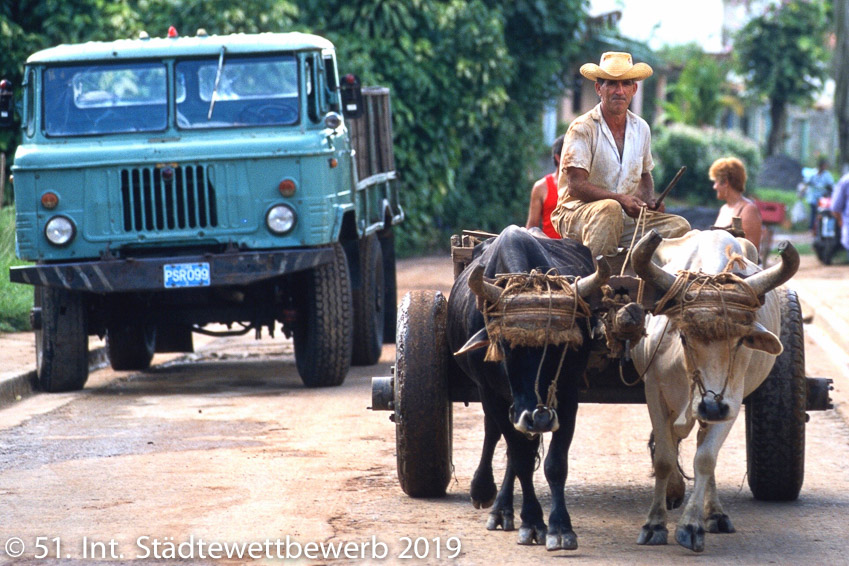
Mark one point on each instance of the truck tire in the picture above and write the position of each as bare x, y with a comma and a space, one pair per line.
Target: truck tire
390, 285
423, 412
61, 340
322, 334
775, 415
130, 346
368, 299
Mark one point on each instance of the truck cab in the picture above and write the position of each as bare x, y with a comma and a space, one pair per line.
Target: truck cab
167, 184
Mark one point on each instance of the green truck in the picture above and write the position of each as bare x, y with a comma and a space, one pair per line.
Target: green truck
214, 184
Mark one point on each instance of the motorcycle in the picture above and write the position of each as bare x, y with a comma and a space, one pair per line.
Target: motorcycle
826, 232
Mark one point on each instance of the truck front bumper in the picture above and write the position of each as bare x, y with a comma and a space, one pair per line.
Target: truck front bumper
147, 274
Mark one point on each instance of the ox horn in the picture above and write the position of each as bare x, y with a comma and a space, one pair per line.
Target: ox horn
589, 285
645, 267
770, 278
482, 288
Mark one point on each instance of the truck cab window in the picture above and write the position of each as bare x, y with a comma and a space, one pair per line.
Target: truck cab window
312, 90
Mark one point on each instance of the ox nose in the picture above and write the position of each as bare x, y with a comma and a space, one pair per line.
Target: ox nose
713, 409
542, 419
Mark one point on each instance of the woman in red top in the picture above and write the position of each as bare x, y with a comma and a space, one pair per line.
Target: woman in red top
544, 196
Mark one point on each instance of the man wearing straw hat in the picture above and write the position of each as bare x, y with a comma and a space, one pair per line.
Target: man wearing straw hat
605, 184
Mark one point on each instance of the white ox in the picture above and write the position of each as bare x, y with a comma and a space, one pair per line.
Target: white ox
692, 375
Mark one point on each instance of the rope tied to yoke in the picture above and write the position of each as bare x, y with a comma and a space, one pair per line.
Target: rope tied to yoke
535, 310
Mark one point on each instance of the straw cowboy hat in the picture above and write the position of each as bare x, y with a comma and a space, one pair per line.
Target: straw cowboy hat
616, 66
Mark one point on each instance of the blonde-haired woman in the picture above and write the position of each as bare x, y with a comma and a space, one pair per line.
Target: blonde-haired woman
729, 181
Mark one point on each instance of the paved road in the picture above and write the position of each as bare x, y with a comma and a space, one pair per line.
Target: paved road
227, 447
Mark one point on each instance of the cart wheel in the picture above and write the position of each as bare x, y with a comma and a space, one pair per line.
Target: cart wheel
422, 405
775, 415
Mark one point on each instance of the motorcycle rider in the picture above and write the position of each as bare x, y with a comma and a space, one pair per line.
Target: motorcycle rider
819, 185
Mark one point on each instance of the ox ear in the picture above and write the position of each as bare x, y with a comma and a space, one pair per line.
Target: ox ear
479, 340
762, 339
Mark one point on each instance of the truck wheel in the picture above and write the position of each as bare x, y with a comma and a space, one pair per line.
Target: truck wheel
61, 340
322, 335
775, 415
390, 286
368, 299
423, 418
130, 346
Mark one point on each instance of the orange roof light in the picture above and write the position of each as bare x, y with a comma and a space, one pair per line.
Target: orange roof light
172, 32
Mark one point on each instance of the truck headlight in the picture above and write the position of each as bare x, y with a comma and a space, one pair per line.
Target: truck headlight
59, 230
281, 219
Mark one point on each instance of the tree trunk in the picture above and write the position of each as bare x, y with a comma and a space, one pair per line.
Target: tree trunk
841, 79
778, 115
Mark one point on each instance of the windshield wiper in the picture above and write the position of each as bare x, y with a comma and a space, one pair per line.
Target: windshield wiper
215, 86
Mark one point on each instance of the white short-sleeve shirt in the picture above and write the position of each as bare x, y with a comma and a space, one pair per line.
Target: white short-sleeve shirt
589, 145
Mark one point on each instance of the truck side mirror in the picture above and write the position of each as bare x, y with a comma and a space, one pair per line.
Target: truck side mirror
352, 96
7, 104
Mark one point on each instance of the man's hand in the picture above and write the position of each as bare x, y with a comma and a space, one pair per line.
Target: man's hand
631, 205
652, 204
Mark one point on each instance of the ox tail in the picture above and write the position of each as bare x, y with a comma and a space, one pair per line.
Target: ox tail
651, 446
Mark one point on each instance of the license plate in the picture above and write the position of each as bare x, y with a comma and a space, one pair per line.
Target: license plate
177, 275
828, 226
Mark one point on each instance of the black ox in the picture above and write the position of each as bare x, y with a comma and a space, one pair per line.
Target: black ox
515, 390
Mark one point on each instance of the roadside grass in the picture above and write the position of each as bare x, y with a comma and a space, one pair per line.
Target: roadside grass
15, 299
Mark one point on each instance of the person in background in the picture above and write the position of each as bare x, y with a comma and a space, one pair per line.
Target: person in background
605, 183
840, 207
819, 185
544, 196
729, 181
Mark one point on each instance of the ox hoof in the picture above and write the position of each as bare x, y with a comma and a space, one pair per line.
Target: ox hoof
691, 536
719, 523
532, 535
483, 493
653, 535
503, 519
561, 541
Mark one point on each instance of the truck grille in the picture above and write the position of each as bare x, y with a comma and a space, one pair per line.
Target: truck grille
168, 198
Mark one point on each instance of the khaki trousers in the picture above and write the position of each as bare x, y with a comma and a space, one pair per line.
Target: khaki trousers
603, 226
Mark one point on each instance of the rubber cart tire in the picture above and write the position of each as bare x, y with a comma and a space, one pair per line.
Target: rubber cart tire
775, 414
322, 334
61, 340
423, 413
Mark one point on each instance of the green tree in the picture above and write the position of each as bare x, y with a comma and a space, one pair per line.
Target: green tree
698, 96
215, 16
469, 80
782, 57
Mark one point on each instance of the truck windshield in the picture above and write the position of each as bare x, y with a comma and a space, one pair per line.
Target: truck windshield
105, 99
251, 91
